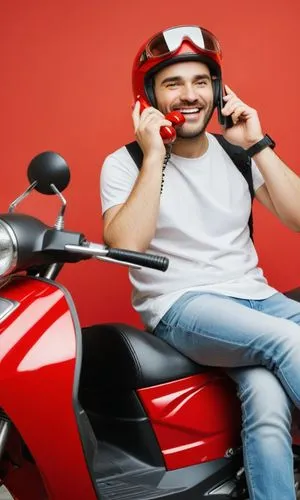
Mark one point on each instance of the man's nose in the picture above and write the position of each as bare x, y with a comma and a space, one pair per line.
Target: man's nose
189, 93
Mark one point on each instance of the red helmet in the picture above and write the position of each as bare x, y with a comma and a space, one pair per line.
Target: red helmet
176, 44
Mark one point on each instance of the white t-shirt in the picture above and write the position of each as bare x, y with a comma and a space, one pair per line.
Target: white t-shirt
202, 228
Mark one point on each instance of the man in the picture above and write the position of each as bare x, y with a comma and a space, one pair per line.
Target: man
213, 304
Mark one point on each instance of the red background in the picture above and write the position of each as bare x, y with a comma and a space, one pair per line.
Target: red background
65, 86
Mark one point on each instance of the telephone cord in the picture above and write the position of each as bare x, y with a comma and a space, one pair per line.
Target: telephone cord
166, 159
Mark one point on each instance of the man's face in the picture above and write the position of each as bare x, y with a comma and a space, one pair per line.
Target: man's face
186, 87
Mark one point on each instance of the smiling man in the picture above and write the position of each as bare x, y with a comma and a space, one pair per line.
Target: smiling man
193, 205
177, 89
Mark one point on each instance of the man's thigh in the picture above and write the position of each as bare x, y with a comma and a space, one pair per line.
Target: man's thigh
280, 306
219, 331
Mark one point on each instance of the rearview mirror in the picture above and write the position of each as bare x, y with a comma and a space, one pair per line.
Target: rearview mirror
48, 168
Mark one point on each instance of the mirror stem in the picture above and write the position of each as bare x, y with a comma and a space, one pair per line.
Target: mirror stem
59, 224
20, 198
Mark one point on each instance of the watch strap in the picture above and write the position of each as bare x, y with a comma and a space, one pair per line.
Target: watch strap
265, 142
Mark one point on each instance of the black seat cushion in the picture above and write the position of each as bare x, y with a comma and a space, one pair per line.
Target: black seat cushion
125, 357
293, 294
121, 355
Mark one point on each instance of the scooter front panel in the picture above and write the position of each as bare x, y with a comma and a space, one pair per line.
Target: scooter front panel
37, 369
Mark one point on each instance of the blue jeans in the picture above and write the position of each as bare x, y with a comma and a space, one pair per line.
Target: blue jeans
258, 343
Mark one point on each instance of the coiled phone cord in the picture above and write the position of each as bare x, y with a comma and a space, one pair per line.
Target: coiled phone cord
166, 159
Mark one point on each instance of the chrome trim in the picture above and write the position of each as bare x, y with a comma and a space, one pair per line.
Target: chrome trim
99, 252
227, 488
59, 224
92, 249
51, 271
15, 247
7, 306
20, 198
120, 262
5, 425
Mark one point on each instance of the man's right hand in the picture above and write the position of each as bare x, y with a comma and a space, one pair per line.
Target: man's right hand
147, 131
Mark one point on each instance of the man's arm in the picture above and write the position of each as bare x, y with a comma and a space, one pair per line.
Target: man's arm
132, 224
281, 191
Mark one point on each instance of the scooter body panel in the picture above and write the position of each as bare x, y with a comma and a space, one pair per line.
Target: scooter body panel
37, 372
195, 419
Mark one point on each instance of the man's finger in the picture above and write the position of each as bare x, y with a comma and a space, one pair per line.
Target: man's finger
136, 115
228, 90
234, 103
238, 113
154, 122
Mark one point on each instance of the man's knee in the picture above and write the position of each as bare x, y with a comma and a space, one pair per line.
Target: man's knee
263, 399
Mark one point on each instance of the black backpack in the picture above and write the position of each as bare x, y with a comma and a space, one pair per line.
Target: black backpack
237, 154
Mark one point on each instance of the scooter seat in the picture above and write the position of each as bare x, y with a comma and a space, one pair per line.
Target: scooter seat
293, 294
123, 356
119, 355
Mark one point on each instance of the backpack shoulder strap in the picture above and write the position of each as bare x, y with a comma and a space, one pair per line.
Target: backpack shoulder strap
243, 163
135, 152
240, 158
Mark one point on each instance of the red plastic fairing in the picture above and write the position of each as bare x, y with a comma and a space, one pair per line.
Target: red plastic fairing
37, 366
195, 419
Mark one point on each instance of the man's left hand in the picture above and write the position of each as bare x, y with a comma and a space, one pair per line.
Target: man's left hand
246, 129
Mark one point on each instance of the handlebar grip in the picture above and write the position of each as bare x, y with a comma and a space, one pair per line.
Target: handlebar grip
139, 258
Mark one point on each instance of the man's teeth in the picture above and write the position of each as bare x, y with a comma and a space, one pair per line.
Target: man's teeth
189, 111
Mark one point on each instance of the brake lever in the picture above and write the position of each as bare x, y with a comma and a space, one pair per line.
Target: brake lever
120, 262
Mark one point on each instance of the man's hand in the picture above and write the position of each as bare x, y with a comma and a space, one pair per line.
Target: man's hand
246, 129
147, 126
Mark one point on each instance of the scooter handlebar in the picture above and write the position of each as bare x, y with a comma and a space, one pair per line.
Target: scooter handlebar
141, 259
121, 256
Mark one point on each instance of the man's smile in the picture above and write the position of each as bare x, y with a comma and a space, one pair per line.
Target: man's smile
190, 113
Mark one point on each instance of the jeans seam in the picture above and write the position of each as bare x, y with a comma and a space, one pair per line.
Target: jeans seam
279, 371
247, 462
248, 468
207, 335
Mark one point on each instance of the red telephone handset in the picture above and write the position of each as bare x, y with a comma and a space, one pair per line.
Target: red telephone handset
168, 133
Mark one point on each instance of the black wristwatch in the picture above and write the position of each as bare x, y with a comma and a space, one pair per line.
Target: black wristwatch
265, 142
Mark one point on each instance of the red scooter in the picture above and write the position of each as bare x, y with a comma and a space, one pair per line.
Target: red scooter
108, 411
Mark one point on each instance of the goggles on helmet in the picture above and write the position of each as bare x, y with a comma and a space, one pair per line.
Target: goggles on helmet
167, 43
